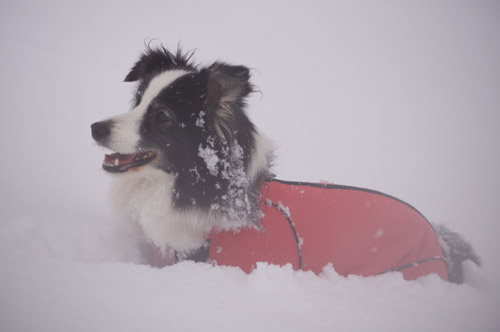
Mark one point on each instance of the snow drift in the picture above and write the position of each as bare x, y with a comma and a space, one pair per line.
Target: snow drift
86, 275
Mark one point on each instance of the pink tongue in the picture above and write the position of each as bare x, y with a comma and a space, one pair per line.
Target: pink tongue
122, 158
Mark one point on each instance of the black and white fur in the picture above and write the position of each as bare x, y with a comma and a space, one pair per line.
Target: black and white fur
188, 158
209, 159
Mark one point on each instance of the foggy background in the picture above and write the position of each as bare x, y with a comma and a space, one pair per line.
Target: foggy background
397, 96
401, 97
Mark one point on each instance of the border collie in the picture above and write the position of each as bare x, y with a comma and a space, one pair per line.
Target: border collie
187, 158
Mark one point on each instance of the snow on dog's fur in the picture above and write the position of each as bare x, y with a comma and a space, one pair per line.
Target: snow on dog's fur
189, 161
188, 158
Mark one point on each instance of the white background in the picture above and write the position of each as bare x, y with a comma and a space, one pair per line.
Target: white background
401, 97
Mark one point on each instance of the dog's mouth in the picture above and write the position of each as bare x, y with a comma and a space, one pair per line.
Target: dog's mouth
120, 162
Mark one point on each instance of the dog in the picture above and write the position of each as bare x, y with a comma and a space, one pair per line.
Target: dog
193, 174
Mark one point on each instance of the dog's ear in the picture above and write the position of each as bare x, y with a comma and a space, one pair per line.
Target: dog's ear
155, 61
228, 87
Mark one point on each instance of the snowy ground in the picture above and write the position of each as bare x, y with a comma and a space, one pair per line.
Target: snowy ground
401, 98
82, 276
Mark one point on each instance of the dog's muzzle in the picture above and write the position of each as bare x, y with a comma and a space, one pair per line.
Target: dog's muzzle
119, 162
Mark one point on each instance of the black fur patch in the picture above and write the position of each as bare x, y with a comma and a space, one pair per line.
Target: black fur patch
200, 131
456, 250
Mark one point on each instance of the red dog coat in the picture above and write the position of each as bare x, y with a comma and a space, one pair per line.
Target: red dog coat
358, 231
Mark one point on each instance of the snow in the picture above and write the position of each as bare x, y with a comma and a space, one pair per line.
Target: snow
87, 283
379, 233
200, 121
397, 97
284, 209
210, 158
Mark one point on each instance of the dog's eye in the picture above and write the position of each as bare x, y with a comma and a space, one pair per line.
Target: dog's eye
165, 118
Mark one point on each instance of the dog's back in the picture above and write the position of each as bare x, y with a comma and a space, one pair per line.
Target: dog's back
359, 231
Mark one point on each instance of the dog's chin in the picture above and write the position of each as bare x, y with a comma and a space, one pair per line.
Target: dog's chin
119, 163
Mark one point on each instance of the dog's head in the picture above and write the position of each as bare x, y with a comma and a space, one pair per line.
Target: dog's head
178, 111
192, 156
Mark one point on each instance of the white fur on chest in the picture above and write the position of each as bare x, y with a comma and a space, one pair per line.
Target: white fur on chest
146, 199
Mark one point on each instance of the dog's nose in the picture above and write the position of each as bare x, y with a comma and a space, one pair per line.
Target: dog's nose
100, 130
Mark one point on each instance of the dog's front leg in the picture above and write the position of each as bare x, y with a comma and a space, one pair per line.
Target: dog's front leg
156, 257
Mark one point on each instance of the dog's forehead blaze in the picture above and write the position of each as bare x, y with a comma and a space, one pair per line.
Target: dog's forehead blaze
157, 84
125, 135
